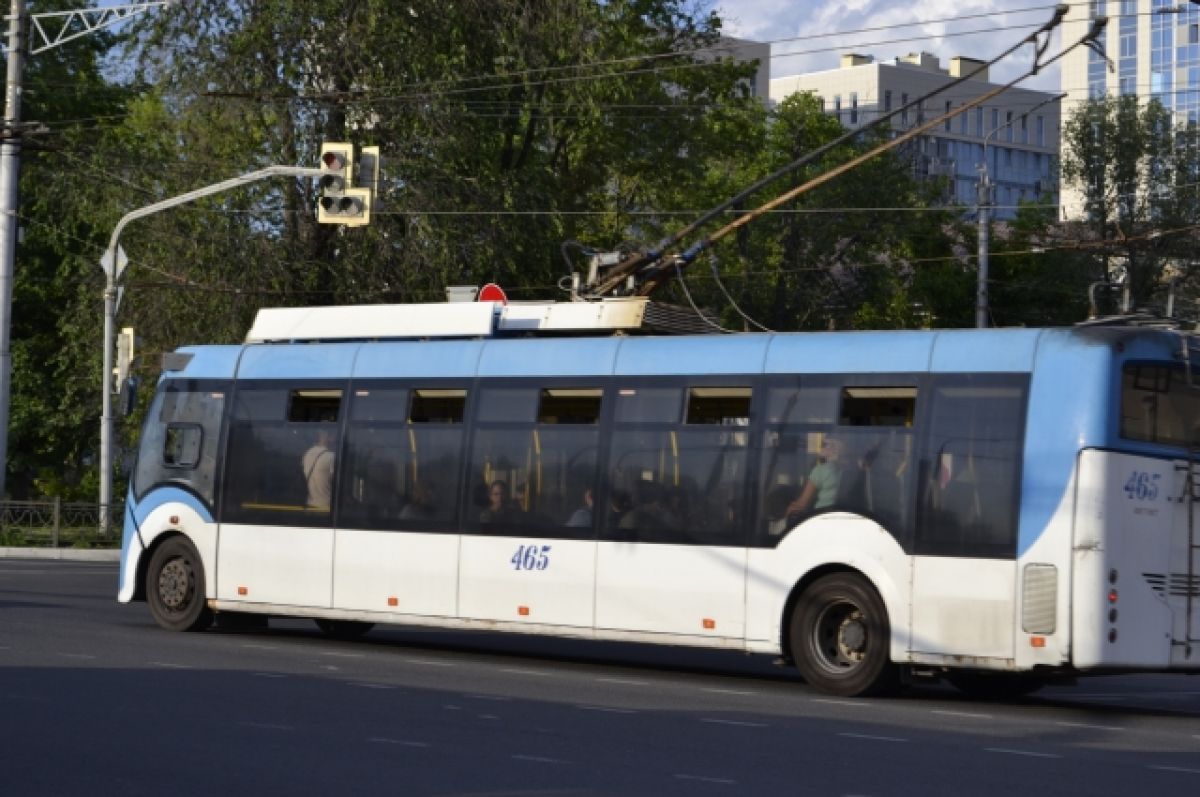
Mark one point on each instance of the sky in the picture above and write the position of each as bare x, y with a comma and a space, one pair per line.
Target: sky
810, 35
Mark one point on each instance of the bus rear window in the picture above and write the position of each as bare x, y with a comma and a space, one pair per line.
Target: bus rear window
1159, 406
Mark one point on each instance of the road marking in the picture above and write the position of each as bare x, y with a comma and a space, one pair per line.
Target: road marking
269, 726
487, 716
330, 667
84, 656
401, 742
494, 698
855, 703
623, 681
872, 737
607, 709
1089, 726
739, 723
966, 714
450, 707
705, 779
341, 655
270, 675
430, 662
1174, 769
717, 691
518, 671
169, 665
373, 686
252, 646
539, 759
1027, 753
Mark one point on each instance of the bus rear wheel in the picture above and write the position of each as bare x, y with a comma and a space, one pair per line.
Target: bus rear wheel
344, 629
175, 587
840, 637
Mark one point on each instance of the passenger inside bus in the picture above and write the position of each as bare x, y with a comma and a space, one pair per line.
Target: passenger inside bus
500, 508
824, 480
318, 472
582, 517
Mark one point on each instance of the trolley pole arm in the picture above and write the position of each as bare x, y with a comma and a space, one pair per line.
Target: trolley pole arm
113, 267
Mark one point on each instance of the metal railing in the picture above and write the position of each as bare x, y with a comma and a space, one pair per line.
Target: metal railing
57, 524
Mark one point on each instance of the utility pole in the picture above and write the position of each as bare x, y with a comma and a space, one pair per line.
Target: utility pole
985, 206
50, 30
10, 168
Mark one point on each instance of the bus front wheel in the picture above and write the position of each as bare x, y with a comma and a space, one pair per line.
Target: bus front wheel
175, 587
840, 637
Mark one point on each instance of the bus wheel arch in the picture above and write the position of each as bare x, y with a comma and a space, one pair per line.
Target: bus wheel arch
838, 633
174, 584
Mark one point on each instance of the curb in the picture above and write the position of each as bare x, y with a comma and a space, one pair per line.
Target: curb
64, 554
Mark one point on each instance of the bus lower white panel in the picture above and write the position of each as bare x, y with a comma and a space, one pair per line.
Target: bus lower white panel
527, 580
676, 589
963, 607
275, 564
1129, 541
396, 572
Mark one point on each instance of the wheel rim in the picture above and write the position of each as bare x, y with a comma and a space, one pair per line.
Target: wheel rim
840, 638
176, 585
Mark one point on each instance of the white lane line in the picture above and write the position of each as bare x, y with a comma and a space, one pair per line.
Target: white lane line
622, 681
493, 698
738, 723
373, 686
716, 691
1026, 753
251, 646
1089, 726
430, 662
966, 714
538, 759
340, 655
84, 656
487, 716
269, 726
169, 665
872, 737
831, 702
1174, 769
400, 742
705, 779
269, 675
518, 671
451, 707
606, 709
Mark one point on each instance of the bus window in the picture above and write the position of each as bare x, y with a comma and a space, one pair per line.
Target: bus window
512, 405
878, 406
681, 482
649, 404
282, 457
179, 444
539, 476
970, 466
1158, 406
812, 404
403, 454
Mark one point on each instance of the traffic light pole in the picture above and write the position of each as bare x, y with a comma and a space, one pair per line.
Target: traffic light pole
10, 165
113, 263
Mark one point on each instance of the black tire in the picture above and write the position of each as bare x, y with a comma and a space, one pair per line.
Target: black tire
175, 587
840, 637
344, 629
994, 685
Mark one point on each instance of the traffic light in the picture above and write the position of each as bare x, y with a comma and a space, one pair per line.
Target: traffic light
340, 202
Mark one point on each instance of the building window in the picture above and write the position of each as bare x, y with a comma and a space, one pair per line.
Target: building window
946, 124
904, 111
979, 122
854, 107
1008, 133
887, 100
837, 106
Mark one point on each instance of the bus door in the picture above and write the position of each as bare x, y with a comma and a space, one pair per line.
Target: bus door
528, 552
397, 539
672, 552
276, 534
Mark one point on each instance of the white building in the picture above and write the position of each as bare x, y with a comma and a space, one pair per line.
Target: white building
1016, 133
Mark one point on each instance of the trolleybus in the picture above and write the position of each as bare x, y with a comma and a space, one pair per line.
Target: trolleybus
1005, 506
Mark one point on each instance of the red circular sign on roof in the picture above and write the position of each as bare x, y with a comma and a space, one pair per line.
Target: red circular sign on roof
492, 293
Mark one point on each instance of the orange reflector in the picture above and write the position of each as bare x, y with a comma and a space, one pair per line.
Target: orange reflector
1037, 641
243, 591
523, 611
393, 601
1112, 596
709, 622
174, 519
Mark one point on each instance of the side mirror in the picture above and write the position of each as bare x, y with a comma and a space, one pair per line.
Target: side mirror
128, 395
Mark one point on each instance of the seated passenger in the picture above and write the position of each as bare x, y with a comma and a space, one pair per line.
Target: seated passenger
581, 518
821, 489
499, 508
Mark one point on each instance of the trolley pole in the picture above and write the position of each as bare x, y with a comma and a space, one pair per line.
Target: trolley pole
113, 263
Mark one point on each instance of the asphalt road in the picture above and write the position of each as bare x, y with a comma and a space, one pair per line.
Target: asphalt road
96, 700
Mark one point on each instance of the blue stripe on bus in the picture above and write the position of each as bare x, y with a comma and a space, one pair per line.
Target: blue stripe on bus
552, 357
141, 510
702, 356
433, 359
849, 352
208, 362
984, 351
304, 361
